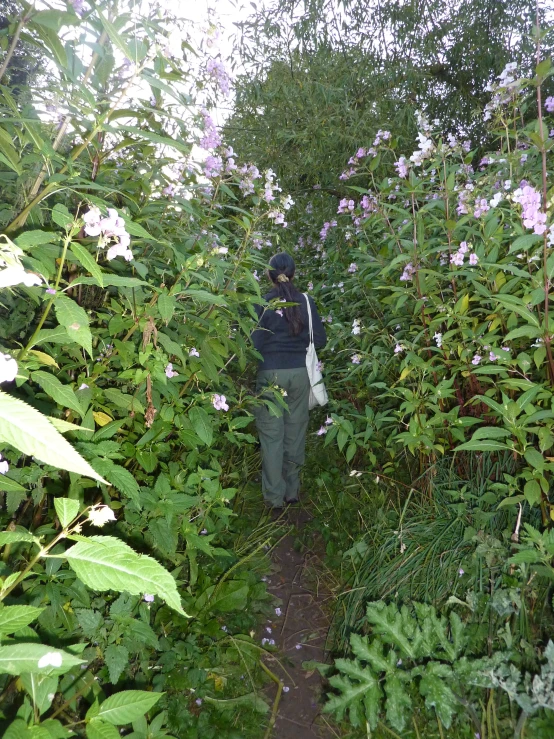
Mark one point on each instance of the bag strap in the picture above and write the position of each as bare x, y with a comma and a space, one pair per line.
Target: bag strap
309, 317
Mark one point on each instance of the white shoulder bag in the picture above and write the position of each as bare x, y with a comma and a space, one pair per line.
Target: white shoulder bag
318, 393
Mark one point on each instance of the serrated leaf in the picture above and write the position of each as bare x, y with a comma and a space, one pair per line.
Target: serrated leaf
398, 702
116, 658
438, 695
8, 485
41, 688
61, 216
75, 320
62, 394
18, 535
26, 657
127, 706
99, 730
119, 477
31, 433
37, 237
105, 563
87, 261
202, 424
13, 618
166, 306
66, 509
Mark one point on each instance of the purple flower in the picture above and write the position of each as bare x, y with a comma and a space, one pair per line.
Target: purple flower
169, 372
50, 291
492, 357
461, 571
353, 267
198, 701
286, 688
298, 646
310, 286
322, 431
83, 386
277, 611
355, 359
319, 366
476, 359
219, 402
169, 190
328, 420
549, 104
408, 273
148, 598
398, 349
279, 312
203, 532
401, 167
194, 352
473, 259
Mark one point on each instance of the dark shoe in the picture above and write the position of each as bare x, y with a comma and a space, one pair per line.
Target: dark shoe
292, 501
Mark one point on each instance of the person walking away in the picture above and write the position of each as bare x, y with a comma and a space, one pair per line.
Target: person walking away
282, 338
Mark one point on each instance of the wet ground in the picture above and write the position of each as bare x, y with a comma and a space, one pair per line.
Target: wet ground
299, 629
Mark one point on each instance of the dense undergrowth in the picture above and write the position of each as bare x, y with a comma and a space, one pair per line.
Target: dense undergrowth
128, 275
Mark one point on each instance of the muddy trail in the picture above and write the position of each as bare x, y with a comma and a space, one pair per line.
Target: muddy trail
299, 630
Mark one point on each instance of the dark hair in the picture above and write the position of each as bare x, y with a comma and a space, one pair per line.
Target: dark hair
282, 274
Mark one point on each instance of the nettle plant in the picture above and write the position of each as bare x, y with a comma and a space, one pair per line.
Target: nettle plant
126, 305
443, 276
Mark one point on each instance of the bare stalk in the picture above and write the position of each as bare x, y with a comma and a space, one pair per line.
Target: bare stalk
13, 44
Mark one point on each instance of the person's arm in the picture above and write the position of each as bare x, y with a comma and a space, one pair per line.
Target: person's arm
320, 337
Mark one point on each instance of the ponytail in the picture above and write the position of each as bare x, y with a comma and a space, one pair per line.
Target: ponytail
282, 274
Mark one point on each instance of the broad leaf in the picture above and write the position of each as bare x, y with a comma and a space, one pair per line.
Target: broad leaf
202, 424
13, 618
62, 394
32, 433
88, 262
36, 658
105, 563
75, 320
127, 706
66, 509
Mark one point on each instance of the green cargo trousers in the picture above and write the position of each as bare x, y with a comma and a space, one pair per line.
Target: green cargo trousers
283, 438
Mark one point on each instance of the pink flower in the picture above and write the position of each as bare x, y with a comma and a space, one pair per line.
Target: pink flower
219, 402
492, 357
148, 598
549, 104
322, 431
169, 372
398, 349
355, 359
476, 359
194, 352
353, 267
473, 259
401, 167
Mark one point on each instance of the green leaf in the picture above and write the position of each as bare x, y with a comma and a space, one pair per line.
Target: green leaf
56, 335
534, 458
37, 658
116, 658
481, 445
490, 432
62, 394
532, 492
127, 706
166, 306
13, 618
522, 243
105, 563
41, 688
110, 280
398, 703
28, 239
438, 695
99, 730
75, 320
124, 481
17, 730
87, 261
31, 433
116, 36
61, 216
202, 424
8, 485
18, 535
66, 509
517, 305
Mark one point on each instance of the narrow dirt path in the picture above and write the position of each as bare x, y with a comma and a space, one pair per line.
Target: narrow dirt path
299, 629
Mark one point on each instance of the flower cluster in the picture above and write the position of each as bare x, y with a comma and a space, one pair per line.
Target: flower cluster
530, 201
362, 153
503, 90
270, 186
107, 229
401, 167
325, 230
99, 515
549, 104
216, 70
353, 268
346, 206
211, 138
426, 149
356, 327
8, 368
12, 271
219, 402
408, 272
458, 257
